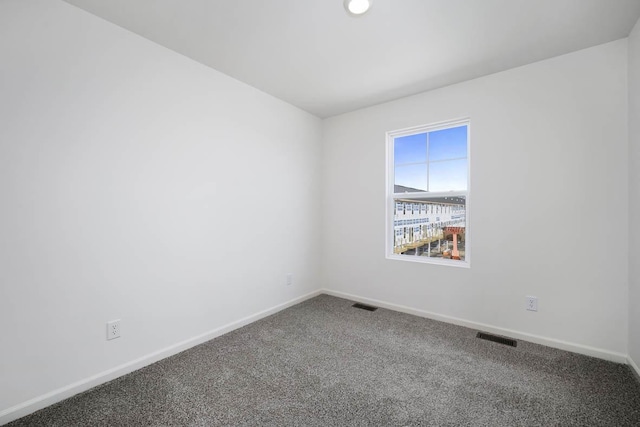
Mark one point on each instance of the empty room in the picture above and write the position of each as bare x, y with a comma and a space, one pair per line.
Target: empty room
319, 213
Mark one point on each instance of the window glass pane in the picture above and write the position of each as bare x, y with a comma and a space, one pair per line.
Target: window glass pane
448, 143
410, 149
411, 178
448, 175
443, 237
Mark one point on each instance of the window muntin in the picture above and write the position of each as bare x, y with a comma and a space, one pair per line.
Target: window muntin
428, 191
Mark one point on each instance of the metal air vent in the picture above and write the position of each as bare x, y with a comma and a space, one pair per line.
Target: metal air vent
498, 339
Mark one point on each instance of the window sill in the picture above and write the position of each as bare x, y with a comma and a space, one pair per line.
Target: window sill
427, 260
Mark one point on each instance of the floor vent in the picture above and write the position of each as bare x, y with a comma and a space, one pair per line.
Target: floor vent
498, 339
364, 307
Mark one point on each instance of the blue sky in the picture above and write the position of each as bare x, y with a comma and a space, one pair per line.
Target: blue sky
447, 162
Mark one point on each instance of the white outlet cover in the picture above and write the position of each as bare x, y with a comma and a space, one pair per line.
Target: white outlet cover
289, 279
113, 329
532, 303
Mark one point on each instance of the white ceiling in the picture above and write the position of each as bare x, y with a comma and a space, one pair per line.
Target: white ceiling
311, 54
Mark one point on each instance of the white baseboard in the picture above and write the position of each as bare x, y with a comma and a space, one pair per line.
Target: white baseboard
35, 404
549, 342
634, 367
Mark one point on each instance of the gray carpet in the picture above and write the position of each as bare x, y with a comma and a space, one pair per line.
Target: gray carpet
324, 363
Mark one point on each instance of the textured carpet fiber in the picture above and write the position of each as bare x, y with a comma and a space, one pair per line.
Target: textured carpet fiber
324, 363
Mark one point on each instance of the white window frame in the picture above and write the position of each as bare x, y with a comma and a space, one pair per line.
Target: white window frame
391, 196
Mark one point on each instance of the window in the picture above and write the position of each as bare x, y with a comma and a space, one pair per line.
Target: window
428, 194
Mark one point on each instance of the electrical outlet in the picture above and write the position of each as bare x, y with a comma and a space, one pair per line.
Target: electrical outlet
289, 281
532, 303
113, 329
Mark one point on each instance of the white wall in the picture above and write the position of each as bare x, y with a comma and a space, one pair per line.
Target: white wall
548, 194
634, 195
140, 185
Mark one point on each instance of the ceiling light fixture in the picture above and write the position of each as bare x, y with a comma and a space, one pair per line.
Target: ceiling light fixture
357, 7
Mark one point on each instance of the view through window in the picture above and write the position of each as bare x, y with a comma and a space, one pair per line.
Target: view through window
427, 206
